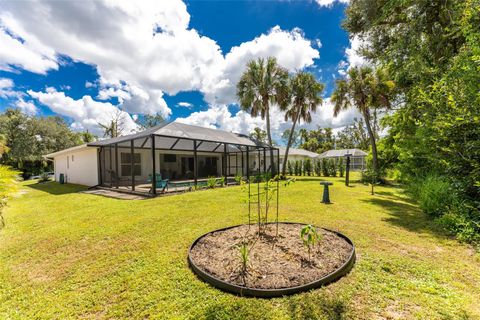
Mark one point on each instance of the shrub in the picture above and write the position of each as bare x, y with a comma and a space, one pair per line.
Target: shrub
318, 168
332, 168
44, 177
341, 167
8, 181
290, 168
308, 167
296, 168
325, 167
211, 182
463, 221
434, 194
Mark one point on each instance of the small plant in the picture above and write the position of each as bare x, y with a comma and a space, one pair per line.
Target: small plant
44, 177
309, 237
222, 181
244, 251
238, 179
211, 182
341, 167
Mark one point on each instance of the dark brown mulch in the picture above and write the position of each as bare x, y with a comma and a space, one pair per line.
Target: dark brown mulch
274, 263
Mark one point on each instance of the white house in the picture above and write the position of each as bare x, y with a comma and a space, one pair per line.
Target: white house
170, 155
357, 157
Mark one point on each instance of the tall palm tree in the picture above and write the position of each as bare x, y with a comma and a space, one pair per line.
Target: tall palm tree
305, 93
366, 89
262, 84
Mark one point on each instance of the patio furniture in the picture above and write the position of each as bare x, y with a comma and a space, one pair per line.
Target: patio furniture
160, 183
326, 194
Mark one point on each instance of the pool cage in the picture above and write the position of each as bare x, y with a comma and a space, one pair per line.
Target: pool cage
178, 157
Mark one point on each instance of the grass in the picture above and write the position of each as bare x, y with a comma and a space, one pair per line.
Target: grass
65, 254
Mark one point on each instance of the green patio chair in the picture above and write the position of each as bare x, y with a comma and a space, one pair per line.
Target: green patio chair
159, 182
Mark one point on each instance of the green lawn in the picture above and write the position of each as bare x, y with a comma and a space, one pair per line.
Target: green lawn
65, 254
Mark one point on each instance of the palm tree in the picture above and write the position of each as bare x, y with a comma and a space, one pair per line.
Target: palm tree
303, 133
305, 93
262, 84
366, 89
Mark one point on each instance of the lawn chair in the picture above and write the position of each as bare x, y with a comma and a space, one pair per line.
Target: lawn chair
159, 182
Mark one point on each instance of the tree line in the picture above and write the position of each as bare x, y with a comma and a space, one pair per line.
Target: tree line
429, 51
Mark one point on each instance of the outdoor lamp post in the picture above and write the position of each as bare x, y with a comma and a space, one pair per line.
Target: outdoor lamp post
347, 169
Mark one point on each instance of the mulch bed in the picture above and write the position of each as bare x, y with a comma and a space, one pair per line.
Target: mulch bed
274, 262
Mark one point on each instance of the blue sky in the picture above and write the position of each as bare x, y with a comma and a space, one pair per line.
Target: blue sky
85, 60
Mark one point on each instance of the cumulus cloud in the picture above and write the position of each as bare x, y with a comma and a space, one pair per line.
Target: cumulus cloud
6, 88
86, 113
27, 107
352, 56
291, 49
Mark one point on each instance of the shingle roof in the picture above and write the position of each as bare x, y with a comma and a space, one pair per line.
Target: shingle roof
298, 152
342, 153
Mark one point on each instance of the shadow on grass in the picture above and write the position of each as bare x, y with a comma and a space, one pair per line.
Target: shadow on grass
303, 306
404, 213
316, 306
56, 188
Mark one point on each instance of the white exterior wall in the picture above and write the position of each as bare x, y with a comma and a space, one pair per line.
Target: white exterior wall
78, 166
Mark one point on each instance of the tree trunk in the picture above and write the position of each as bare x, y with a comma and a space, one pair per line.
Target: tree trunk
269, 135
371, 134
285, 159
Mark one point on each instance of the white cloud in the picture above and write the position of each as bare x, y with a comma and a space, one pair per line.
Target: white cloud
352, 56
6, 88
183, 104
26, 106
218, 116
329, 3
86, 113
291, 49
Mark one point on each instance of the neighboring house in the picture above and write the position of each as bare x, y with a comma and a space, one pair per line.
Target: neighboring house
357, 157
185, 155
296, 154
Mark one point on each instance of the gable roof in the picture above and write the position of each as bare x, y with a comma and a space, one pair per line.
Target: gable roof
342, 153
298, 152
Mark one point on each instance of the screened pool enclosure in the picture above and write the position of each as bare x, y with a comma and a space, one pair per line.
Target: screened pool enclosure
175, 157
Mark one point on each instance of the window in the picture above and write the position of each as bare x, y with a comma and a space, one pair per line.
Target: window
68, 162
170, 157
126, 164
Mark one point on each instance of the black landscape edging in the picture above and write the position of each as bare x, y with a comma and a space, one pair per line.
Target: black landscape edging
271, 293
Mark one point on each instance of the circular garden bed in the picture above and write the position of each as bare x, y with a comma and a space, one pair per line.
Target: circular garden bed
276, 265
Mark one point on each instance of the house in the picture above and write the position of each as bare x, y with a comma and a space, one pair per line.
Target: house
176, 154
295, 154
357, 157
